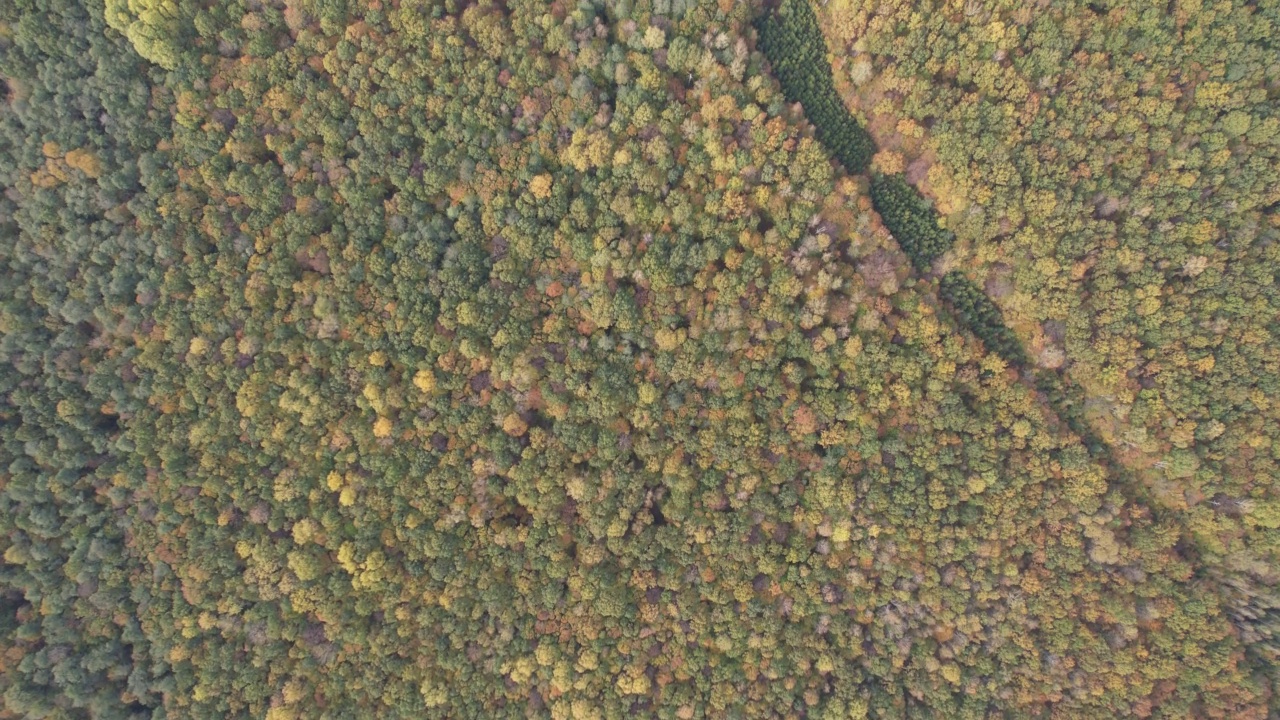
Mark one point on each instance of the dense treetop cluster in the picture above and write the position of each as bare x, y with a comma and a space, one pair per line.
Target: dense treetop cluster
527, 359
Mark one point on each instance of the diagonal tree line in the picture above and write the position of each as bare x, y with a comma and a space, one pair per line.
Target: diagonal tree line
792, 40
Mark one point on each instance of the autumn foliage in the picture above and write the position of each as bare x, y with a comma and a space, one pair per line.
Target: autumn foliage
539, 359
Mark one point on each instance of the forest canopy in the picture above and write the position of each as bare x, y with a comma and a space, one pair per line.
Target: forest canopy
660, 358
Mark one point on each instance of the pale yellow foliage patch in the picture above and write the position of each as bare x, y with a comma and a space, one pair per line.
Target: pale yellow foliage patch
425, 380
540, 186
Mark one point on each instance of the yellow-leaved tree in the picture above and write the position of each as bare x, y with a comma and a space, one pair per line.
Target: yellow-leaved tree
151, 26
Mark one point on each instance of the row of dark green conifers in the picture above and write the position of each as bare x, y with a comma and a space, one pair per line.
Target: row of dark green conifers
792, 40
